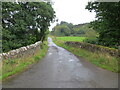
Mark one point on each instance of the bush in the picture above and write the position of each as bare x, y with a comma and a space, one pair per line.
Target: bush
91, 40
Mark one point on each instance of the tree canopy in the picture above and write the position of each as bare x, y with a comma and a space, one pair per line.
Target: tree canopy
107, 23
25, 23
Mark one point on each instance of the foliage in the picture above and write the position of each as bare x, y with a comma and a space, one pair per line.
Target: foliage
107, 23
84, 30
91, 40
61, 30
25, 23
68, 29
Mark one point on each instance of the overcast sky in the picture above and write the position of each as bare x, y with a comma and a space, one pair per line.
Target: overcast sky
72, 11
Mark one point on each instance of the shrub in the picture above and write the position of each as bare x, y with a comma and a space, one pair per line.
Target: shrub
91, 40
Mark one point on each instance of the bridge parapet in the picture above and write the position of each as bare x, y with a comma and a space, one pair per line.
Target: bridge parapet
21, 52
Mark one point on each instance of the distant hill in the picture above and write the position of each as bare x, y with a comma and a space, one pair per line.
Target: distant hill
68, 29
80, 25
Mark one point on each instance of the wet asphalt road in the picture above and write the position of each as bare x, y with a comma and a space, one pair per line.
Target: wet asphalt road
61, 69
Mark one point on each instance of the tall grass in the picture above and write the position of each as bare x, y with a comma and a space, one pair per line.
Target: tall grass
11, 67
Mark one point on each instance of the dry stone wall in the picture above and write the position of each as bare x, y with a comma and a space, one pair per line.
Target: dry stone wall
21, 52
94, 48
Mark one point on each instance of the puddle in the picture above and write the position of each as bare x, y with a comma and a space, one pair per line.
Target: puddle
71, 60
60, 61
50, 54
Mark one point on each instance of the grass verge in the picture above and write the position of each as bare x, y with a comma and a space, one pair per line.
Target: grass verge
102, 60
11, 67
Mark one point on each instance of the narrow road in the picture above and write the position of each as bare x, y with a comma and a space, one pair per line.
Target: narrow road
62, 69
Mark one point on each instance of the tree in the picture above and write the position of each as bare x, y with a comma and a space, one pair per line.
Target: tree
107, 23
61, 30
25, 23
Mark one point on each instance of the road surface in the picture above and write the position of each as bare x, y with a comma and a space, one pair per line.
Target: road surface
62, 69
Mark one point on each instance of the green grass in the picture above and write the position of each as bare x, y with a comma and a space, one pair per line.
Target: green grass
11, 67
78, 39
102, 60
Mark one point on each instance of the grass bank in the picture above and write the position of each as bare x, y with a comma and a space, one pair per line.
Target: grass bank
12, 67
102, 60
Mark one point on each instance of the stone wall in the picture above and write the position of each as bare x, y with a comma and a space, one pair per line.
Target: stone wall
95, 48
21, 52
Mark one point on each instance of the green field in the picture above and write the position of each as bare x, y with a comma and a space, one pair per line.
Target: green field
78, 39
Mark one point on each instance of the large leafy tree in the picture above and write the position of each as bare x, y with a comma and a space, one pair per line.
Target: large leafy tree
25, 23
107, 23
61, 30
